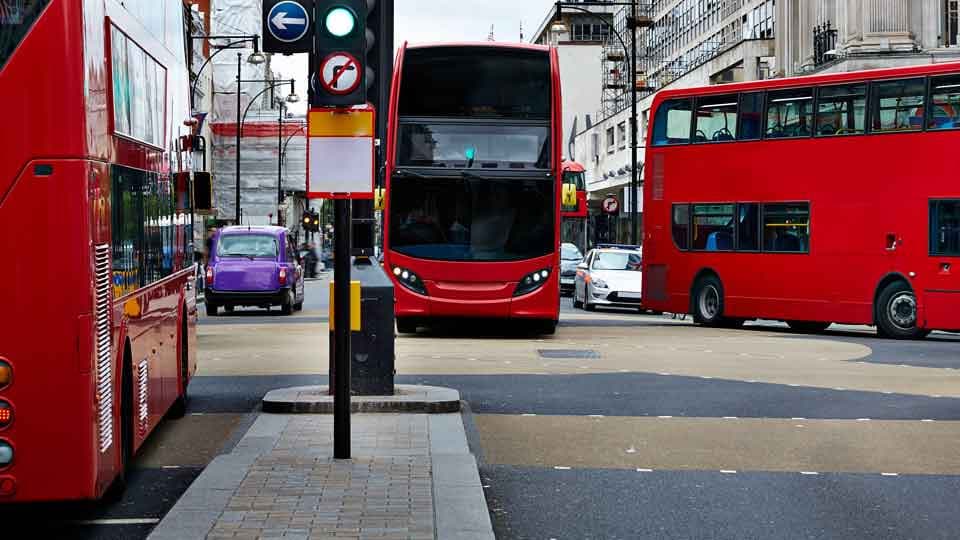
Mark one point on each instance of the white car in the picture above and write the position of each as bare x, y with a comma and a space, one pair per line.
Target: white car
609, 276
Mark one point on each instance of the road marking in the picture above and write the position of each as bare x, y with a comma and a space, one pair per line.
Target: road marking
840, 389
197, 414
561, 468
863, 419
729, 417
644, 470
793, 385
798, 418
664, 417
728, 471
665, 374
889, 474
927, 420
706, 377
752, 381
528, 414
936, 396
170, 467
595, 415
127, 521
809, 473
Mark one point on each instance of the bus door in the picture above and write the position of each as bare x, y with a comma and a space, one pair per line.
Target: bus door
942, 291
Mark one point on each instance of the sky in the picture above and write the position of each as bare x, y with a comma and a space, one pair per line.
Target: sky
419, 21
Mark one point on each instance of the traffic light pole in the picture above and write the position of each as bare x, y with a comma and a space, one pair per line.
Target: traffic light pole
341, 317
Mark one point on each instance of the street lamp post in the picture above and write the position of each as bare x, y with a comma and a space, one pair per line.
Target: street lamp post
558, 27
270, 85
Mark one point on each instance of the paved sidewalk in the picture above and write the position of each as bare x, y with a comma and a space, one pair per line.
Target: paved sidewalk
411, 477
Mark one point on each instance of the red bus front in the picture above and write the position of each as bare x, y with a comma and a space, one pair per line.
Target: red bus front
97, 338
472, 208
816, 200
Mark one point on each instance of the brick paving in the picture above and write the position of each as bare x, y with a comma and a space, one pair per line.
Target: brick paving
297, 491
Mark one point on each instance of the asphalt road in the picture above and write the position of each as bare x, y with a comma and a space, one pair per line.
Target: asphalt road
620, 426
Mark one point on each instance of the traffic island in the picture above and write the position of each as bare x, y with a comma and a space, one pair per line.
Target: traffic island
406, 399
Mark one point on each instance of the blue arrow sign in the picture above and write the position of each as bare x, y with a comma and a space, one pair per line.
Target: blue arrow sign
288, 21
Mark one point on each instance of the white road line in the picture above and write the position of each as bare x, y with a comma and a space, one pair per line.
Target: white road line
706, 377
665, 374
729, 417
927, 420
793, 385
595, 415
644, 470
728, 471
798, 418
809, 473
528, 414
127, 521
561, 468
840, 389
664, 417
197, 414
863, 419
170, 467
889, 474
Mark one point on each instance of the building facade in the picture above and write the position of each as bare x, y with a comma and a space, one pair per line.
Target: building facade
682, 43
819, 36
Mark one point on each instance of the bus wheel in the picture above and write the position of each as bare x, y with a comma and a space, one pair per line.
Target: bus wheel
115, 492
406, 325
545, 328
179, 407
897, 312
808, 327
708, 301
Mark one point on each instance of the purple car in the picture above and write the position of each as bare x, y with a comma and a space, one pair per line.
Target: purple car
253, 266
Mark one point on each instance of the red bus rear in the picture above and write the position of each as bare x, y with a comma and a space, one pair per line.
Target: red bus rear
815, 200
97, 340
472, 206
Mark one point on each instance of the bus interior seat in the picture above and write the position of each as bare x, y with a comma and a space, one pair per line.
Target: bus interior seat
719, 241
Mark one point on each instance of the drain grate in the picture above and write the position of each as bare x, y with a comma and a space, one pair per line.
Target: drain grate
568, 354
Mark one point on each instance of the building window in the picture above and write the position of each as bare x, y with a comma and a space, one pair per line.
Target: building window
589, 32
945, 228
786, 228
953, 23
713, 227
611, 140
897, 105
622, 134
759, 23
841, 110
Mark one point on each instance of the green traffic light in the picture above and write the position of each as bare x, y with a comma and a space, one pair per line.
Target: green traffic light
470, 153
340, 22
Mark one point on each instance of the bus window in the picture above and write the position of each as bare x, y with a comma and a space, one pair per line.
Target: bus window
681, 225
672, 124
716, 119
786, 228
897, 105
841, 110
944, 103
751, 116
790, 113
16, 18
945, 228
748, 227
713, 227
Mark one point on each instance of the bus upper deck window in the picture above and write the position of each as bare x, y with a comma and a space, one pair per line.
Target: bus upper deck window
944, 103
672, 123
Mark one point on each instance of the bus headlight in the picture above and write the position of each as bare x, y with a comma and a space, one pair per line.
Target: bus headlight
409, 280
532, 282
6, 373
6, 414
6, 454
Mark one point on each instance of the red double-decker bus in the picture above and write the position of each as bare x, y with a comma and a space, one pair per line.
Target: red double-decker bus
97, 341
573, 227
472, 205
815, 200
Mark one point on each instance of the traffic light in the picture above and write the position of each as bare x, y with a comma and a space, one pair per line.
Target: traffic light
310, 221
338, 70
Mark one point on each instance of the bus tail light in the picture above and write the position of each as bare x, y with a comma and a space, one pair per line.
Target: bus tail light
532, 282
6, 414
410, 280
209, 275
283, 276
6, 454
6, 374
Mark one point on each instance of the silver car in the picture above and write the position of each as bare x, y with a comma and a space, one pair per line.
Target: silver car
609, 276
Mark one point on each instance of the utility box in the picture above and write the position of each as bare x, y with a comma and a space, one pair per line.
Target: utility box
372, 348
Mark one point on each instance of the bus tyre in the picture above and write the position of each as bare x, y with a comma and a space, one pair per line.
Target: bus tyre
406, 325
896, 312
708, 302
179, 407
808, 327
212, 308
115, 492
545, 328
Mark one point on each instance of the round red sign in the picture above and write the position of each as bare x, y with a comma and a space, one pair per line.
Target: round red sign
340, 73
610, 205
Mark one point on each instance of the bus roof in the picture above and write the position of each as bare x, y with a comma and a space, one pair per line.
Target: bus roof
480, 44
812, 80
572, 166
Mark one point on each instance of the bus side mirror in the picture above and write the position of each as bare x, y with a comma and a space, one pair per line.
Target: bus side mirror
569, 195
378, 199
